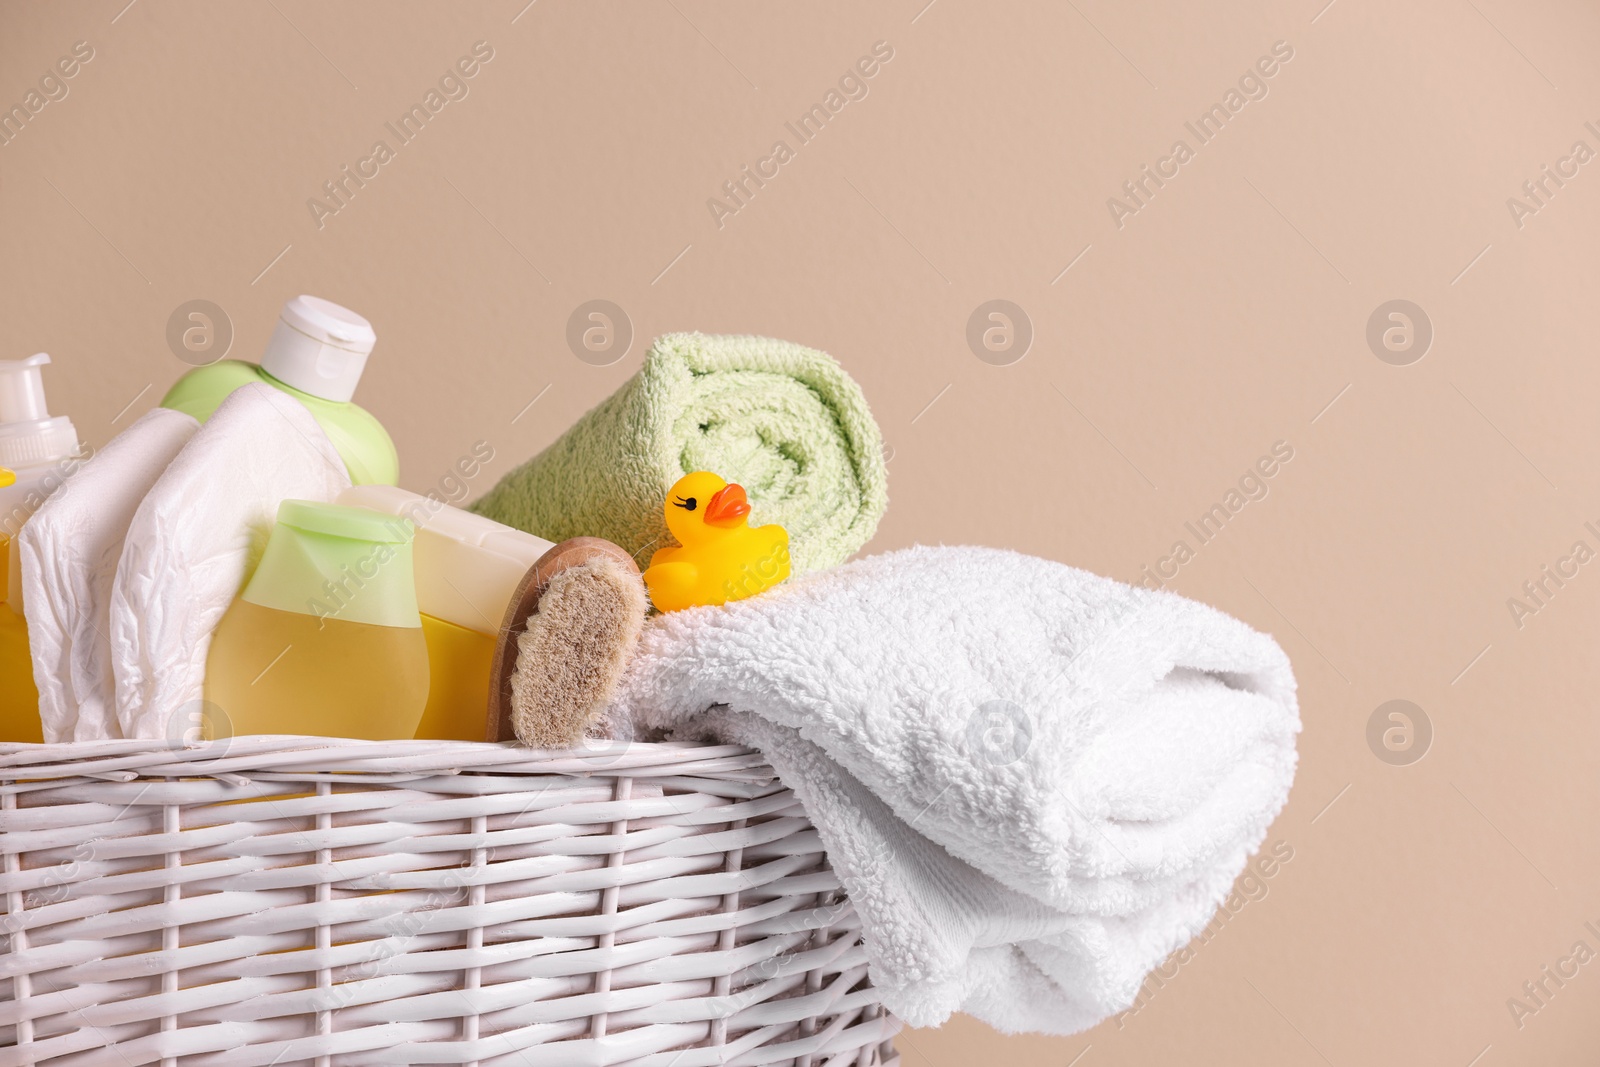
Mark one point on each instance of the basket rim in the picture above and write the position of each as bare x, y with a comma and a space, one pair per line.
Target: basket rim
127, 759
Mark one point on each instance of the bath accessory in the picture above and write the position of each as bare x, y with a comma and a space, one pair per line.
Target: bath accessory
517, 647
1035, 783
325, 639
784, 421
719, 556
316, 354
468, 570
38, 452
568, 634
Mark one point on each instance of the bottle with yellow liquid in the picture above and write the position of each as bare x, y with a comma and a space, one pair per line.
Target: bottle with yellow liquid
19, 699
326, 639
468, 569
37, 453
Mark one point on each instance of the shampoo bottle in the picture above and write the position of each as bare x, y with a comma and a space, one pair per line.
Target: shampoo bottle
37, 453
325, 640
468, 569
316, 355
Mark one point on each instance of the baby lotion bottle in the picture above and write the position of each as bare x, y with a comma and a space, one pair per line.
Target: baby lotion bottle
468, 569
325, 640
316, 355
37, 453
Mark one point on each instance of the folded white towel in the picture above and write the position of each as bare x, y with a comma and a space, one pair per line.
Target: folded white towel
1035, 783
195, 539
69, 550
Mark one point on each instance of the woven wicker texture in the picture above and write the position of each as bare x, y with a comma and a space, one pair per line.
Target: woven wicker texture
278, 901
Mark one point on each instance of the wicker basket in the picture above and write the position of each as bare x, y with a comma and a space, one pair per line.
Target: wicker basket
276, 901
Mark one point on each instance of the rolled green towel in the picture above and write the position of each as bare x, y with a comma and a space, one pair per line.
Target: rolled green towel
784, 421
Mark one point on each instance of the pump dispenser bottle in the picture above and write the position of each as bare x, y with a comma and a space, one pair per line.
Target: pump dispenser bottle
37, 453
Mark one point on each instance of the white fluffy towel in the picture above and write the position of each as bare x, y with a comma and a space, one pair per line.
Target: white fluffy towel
1035, 783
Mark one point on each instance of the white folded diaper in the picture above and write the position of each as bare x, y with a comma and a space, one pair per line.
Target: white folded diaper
69, 551
195, 540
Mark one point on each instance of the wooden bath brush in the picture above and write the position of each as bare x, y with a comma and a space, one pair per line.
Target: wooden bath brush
566, 638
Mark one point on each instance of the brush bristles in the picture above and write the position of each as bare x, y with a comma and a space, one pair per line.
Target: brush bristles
574, 651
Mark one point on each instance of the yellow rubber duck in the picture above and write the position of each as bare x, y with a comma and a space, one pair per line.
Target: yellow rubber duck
721, 557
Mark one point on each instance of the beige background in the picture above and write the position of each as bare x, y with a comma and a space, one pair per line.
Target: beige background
1227, 314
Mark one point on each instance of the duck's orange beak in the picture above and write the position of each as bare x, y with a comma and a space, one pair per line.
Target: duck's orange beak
727, 507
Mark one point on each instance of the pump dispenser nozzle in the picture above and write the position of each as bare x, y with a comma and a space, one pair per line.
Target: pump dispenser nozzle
28, 435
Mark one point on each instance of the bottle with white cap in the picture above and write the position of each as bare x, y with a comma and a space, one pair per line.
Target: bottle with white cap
37, 454
316, 355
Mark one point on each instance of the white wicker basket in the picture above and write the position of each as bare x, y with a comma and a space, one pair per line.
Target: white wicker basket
277, 901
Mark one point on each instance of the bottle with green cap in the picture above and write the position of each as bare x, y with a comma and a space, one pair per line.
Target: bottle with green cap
316, 354
326, 639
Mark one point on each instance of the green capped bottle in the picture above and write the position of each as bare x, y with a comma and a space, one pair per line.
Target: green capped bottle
326, 639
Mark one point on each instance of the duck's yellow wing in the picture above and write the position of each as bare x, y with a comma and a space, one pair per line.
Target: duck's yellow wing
673, 586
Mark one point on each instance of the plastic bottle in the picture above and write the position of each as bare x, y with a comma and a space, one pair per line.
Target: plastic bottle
468, 568
325, 640
37, 453
316, 355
